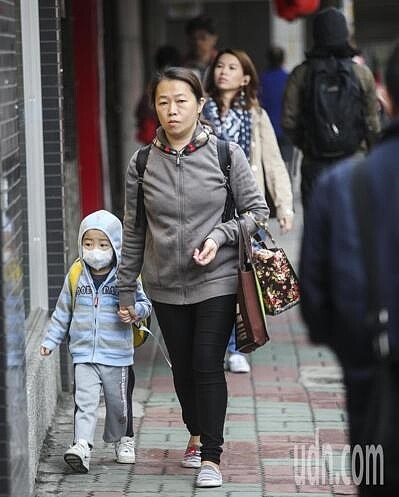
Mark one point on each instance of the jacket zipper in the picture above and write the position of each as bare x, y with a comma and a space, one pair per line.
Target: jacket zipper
96, 302
95, 323
180, 232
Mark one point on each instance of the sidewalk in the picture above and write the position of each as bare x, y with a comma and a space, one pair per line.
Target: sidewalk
278, 417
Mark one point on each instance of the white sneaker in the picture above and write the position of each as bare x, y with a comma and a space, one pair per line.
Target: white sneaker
238, 364
78, 456
124, 451
209, 476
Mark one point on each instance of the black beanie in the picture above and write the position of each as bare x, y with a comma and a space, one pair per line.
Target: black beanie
330, 28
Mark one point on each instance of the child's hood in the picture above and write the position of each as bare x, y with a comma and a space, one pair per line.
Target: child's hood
106, 222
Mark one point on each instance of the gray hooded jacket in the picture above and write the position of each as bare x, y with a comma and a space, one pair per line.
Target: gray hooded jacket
184, 198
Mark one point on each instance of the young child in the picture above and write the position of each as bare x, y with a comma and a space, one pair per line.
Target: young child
101, 345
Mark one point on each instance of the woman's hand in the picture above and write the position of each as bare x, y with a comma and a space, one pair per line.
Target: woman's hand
44, 351
127, 315
207, 253
285, 223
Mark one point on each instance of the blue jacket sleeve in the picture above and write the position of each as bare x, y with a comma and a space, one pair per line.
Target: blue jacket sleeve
143, 306
61, 318
316, 300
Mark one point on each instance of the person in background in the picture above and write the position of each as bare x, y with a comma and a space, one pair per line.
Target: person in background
188, 252
146, 118
333, 277
331, 51
202, 39
380, 89
272, 86
383, 105
100, 344
235, 114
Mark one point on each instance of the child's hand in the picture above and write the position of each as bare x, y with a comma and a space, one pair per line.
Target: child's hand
127, 315
44, 351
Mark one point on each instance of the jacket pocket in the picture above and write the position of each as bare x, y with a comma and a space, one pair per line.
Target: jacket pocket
223, 265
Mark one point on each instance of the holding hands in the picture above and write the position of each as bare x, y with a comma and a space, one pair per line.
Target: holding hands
127, 315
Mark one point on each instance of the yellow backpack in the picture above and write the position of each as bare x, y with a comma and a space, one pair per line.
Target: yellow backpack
140, 332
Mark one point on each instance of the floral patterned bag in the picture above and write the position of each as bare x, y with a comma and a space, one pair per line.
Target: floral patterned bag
278, 281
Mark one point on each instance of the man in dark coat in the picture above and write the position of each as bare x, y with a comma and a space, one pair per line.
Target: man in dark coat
330, 37
333, 280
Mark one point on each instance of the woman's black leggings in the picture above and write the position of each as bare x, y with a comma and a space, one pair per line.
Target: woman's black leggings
196, 337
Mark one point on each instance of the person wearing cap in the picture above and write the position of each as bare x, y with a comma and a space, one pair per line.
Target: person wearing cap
330, 40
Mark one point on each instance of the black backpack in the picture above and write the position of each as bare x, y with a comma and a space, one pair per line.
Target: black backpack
334, 123
223, 149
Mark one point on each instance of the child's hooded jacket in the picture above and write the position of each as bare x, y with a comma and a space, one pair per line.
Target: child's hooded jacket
96, 334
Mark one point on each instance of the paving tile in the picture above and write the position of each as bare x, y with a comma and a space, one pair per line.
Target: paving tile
107, 494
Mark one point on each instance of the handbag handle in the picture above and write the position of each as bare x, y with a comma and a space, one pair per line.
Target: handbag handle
262, 224
265, 228
244, 244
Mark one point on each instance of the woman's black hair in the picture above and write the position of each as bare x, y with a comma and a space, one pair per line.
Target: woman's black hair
179, 74
392, 77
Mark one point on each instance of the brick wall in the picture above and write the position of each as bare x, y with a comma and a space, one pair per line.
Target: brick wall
71, 172
52, 102
22, 158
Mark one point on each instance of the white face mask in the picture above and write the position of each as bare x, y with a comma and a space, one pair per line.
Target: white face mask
97, 258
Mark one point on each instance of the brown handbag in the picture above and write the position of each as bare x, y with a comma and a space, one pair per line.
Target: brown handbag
251, 331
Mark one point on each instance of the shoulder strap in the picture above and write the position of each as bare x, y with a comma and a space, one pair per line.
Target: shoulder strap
224, 157
377, 317
141, 164
73, 277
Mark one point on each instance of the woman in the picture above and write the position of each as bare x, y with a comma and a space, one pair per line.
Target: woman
235, 114
189, 257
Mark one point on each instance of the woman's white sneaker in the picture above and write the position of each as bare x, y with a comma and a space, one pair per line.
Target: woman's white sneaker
238, 364
192, 457
124, 451
209, 476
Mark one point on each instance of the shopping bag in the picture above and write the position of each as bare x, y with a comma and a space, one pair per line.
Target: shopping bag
251, 331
